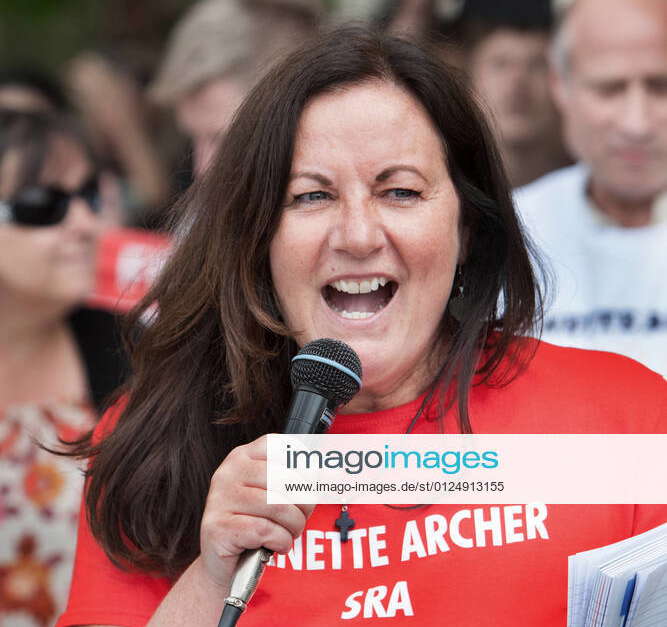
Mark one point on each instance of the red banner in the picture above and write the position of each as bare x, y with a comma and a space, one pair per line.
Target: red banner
127, 263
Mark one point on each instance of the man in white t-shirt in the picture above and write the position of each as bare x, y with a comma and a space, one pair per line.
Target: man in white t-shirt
602, 224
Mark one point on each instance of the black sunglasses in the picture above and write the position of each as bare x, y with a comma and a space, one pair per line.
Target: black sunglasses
46, 206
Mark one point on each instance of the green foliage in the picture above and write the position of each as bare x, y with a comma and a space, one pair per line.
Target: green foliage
45, 32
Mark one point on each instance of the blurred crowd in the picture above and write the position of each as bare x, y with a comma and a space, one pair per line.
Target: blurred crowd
93, 156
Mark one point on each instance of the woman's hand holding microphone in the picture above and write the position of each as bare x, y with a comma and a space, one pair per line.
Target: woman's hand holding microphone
237, 516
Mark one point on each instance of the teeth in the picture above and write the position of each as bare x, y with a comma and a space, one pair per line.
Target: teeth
360, 287
356, 315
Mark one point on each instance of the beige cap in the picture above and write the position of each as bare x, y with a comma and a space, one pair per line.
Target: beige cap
220, 37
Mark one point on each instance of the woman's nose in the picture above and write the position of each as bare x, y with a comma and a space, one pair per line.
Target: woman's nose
635, 119
81, 218
359, 230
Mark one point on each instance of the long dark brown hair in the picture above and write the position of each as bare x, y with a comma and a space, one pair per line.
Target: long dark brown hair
210, 350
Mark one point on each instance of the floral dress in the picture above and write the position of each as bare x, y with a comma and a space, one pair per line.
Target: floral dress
40, 495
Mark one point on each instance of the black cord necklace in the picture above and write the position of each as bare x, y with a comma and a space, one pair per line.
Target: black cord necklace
345, 522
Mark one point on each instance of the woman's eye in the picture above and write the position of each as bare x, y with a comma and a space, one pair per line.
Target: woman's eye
311, 197
400, 193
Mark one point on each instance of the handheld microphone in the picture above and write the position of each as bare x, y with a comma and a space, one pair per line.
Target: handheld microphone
325, 374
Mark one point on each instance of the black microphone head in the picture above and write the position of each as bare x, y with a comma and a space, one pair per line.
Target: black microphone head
329, 366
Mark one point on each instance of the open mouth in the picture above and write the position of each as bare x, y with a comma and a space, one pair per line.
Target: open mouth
357, 300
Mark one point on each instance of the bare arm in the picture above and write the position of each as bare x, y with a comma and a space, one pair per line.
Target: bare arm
113, 105
194, 600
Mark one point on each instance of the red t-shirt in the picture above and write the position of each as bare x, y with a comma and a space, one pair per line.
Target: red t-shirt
460, 565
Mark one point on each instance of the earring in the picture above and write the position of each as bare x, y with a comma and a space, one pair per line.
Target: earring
457, 300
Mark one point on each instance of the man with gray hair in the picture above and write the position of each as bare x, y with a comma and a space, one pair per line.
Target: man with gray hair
603, 222
216, 52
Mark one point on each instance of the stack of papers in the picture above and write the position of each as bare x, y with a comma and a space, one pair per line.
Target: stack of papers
620, 585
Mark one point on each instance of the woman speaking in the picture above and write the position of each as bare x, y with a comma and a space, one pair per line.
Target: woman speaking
358, 195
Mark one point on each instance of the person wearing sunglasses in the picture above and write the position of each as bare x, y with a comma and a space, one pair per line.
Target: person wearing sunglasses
47, 205
58, 359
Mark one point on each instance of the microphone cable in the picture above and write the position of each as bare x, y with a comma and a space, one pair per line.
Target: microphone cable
230, 615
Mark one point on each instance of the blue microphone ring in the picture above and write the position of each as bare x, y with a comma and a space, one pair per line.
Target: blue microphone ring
331, 362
